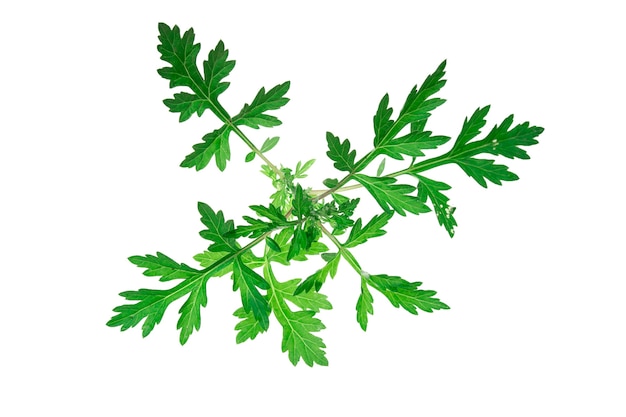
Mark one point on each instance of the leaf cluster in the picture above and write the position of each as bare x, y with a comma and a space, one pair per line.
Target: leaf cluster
298, 223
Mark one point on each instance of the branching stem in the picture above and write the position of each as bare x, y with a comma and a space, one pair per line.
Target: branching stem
345, 253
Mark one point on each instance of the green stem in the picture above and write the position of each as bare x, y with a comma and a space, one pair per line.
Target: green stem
223, 115
411, 170
424, 165
225, 260
345, 253
277, 305
340, 190
362, 163
254, 149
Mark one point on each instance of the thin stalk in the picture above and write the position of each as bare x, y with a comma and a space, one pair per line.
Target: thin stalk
340, 190
345, 253
254, 149
223, 115
411, 170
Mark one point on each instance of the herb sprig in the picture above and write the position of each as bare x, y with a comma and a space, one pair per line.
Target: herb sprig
298, 223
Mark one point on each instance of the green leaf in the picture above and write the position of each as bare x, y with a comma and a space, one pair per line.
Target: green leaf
471, 128
341, 199
382, 120
217, 229
298, 243
254, 114
330, 182
249, 327
486, 169
213, 144
374, 228
272, 213
431, 189
391, 195
328, 256
299, 327
301, 203
269, 144
208, 258
181, 53
418, 126
271, 243
317, 279
416, 109
250, 156
301, 169
506, 142
381, 168
282, 239
364, 305
405, 294
186, 104
340, 153
163, 266
299, 340
151, 304
501, 140
313, 301
190, 311
248, 283
412, 144
253, 229
419, 103
216, 68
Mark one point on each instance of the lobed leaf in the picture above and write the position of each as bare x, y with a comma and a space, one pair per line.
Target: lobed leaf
217, 229
186, 104
471, 127
182, 53
213, 144
390, 195
190, 311
501, 140
282, 239
249, 327
299, 326
382, 120
413, 144
340, 153
405, 294
269, 144
271, 212
364, 305
248, 283
254, 114
315, 281
483, 170
299, 340
416, 109
151, 304
163, 266
312, 300
427, 188
301, 203
216, 68
374, 228
302, 168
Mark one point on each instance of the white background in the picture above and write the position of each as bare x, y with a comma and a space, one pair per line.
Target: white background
89, 176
